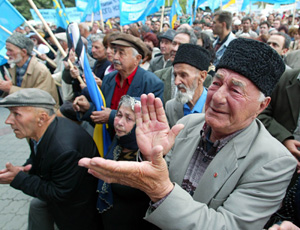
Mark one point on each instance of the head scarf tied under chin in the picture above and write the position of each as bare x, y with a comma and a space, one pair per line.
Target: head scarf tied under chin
128, 141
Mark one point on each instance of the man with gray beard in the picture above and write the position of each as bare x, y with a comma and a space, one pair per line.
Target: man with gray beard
26, 71
190, 70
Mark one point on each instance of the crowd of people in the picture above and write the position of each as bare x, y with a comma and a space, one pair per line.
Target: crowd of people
203, 119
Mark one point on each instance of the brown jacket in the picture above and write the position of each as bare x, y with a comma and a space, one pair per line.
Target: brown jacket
36, 76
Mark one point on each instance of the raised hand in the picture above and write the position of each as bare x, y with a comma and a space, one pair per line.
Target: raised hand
150, 177
152, 127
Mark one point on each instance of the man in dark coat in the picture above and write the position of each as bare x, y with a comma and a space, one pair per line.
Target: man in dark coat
65, 194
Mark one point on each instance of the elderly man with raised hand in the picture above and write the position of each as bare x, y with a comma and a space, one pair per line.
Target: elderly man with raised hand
190, 70
26, 71
64, 194
129, 79
225, 170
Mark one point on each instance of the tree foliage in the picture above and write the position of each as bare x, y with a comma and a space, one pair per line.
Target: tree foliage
24, 7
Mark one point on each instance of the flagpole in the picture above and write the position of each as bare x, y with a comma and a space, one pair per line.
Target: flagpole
51, 62
102, 23
37, 33
162, 17
294, 11
52, 35
221, 5
92, 19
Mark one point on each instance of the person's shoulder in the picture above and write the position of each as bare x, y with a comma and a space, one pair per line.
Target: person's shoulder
192, 120
161, 72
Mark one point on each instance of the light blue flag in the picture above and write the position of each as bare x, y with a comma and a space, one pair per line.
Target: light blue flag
137, 10
214, 4
197, 4
93, 6
279, 1
61, 16
189, 6
176, 11
2, 55
10, 18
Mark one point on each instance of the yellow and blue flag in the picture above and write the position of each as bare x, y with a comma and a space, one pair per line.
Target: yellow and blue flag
176, 11
101, 135
61, 16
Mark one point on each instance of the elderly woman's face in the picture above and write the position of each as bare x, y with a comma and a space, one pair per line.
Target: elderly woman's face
124, 120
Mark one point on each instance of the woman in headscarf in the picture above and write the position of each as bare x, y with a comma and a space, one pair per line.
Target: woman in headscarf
123, 207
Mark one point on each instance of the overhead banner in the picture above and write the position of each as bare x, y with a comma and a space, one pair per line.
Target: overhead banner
134, 11
50, 15
110, 9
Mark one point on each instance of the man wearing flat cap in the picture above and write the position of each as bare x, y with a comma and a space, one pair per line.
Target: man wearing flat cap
165, 44
224, 170
190, 70
129, 79
26, 71
64, 193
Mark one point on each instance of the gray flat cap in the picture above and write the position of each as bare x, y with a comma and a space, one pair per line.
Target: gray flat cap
32, 97
21, 41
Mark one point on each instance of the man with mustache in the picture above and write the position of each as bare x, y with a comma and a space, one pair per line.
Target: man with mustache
224, 170
190, 70
129, 79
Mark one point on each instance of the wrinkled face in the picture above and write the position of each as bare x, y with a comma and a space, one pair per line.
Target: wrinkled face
124, 121
277, 43
179, 39
231, 103
23, 121
98, 50
124, 59
14, 53
187, 80
165, 46
246, 25
264, 29
217, 26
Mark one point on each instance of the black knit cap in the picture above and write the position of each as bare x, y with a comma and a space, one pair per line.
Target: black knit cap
254, 60
193, 55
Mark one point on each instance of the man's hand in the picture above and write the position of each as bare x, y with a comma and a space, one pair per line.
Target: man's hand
152, 127
5, 85
81, 104
9, 173
74, 72
285, 225
150, 177
292, 146
101, 117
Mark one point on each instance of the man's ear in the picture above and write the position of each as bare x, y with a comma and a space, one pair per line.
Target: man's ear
203, 75
24, 52
264, 104
138, 58
284, 51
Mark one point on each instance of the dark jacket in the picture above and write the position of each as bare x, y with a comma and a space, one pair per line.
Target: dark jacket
56, 178
281, 116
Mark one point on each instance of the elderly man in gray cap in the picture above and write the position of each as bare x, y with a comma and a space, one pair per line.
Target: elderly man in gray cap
26, 71
165, 44
65, 194
224, 170
129, 79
